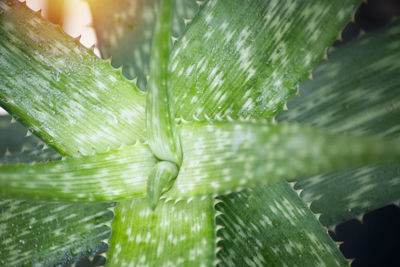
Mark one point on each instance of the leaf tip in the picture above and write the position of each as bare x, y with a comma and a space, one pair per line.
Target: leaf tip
317, 215
285, 107
28, 133
200, 3
173, 39
186, 21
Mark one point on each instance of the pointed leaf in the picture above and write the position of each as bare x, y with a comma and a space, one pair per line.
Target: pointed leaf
160, 123
62, 91
20, 217
50, 234
103, 177
125, 29
356, 91
231, 63
271, 226
226, 156
341, 196
175, 234
160, 179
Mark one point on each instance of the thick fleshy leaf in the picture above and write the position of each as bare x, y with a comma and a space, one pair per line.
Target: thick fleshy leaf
49, 234
271, 226
160, 180
76, 102
40, 243
219, 158
175, 234
227, 156
245, 58
102, 177
125, 29
342, 196
357, 90
160, 122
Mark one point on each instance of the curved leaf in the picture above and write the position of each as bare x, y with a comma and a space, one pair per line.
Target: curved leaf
341, 196
355, 91
160, 123
224, 156
38, 233
245, 58
76, 102
108, 176
48, 234
271, 226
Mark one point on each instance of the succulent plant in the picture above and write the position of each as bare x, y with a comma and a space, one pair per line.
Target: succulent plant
192, 163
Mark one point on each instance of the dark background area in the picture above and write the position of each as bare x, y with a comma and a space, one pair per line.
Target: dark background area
376, 240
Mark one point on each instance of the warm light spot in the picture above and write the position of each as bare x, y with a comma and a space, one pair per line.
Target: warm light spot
78, 21
36, 5
3, 112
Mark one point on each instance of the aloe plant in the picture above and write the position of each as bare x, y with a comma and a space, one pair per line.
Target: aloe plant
199, 169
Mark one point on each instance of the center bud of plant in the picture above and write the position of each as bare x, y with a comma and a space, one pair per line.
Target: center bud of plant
160, 180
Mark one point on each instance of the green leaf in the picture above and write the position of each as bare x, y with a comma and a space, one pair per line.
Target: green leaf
160, 180
175, 234
245, 58
341, 196
12, 137
16, 146
160, 123
108, 176
271, 226
226, 156
66, 95
355, 91
125, 30
49, 234
39, 153
40, 243
219, 158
